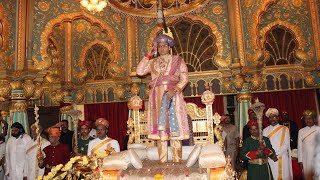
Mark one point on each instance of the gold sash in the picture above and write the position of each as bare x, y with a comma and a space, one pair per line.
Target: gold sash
280, 159
308, 135
100, 145
274, 131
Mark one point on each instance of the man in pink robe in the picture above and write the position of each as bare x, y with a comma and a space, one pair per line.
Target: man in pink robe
167, 115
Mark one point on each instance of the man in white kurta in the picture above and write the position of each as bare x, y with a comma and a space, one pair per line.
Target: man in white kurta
102, 141
16, 164
307, 143
280, 140
32, 150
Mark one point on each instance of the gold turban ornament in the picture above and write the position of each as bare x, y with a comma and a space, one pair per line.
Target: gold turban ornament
309, 113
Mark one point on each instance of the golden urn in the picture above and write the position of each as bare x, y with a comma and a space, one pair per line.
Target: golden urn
256, 82
227, 85
5, 90
16, 85
28, 88
38, 92
238, 82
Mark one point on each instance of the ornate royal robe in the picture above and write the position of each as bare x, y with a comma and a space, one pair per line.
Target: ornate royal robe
167, 72
306, 149
280, 140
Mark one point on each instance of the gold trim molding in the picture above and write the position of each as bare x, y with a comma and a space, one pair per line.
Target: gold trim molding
70, 17
256, 21
295, 29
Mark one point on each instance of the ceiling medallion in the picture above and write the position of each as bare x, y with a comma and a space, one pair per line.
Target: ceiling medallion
149, 8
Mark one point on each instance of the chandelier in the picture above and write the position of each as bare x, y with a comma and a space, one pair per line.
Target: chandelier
94, 5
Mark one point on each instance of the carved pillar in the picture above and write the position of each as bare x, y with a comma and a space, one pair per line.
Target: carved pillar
132, 44
21, 18
18, 105
244, 103
238, 56
29, 26
68, 54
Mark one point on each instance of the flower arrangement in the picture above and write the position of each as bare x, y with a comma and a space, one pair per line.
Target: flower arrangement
60, 171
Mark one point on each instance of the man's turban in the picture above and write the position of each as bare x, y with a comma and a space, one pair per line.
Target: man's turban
85, 123
102, 121
164, 38
273, 111
252, 123
54, 131
309, 113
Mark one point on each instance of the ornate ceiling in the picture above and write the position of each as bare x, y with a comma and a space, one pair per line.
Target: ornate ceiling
148, 8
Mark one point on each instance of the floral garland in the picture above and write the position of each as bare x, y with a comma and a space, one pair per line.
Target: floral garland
64, 168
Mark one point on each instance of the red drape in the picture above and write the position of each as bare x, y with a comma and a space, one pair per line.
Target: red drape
217, 105
294, 102
115, 113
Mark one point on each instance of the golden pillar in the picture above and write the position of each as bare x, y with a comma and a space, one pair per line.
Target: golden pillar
236, 33
244, 102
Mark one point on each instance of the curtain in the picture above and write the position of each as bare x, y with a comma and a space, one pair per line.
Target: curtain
217, 105
117, 115
294, 102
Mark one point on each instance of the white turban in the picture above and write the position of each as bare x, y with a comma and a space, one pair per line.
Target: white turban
273, 111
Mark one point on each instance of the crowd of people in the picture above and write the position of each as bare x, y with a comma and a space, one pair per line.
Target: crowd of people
27, 157
270, 157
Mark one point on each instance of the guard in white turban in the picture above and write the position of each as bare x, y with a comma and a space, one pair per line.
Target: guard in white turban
280, 140
273, 111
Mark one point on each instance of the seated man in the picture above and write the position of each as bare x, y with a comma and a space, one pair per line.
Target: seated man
257, 154
102, 141
82, 148
54, 154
